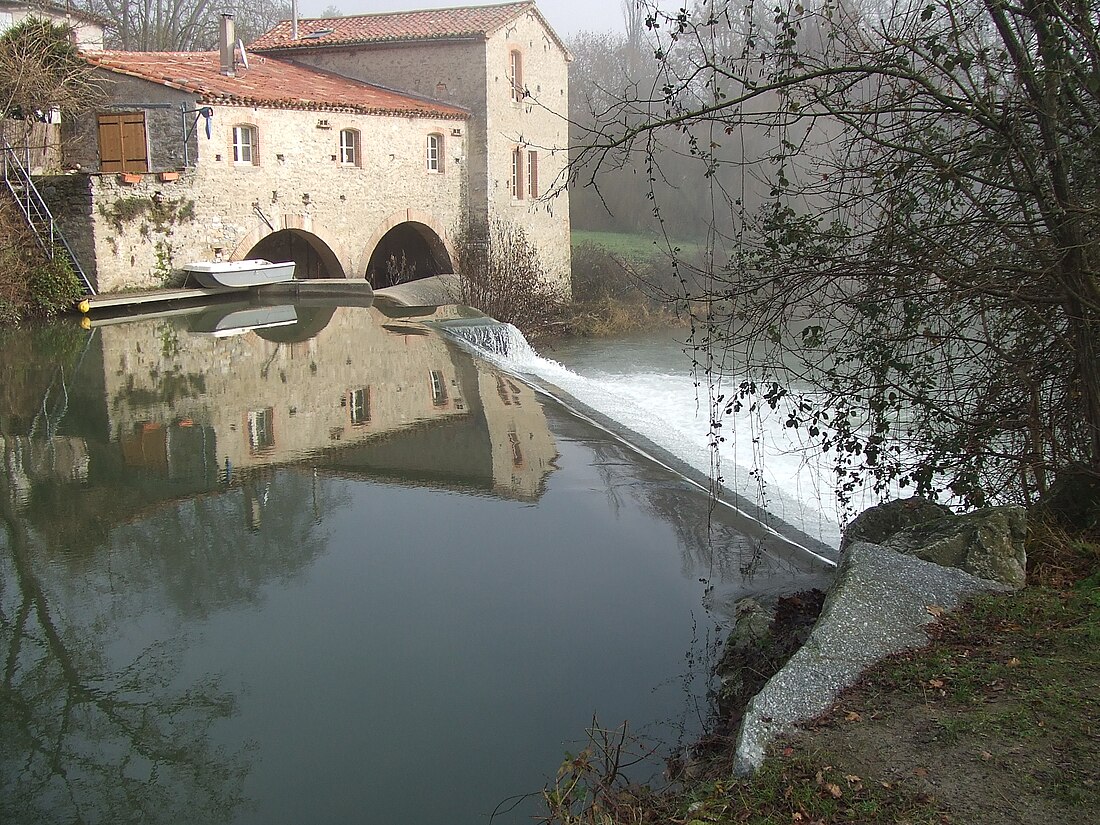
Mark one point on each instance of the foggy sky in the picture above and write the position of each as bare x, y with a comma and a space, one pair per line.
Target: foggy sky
566, 16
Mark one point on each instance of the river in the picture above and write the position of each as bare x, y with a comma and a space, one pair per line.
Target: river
317, 564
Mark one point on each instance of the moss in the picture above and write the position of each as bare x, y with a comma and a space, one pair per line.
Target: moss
158, 213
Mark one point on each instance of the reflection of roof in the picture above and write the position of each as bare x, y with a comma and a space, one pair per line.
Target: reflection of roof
267, 82
464, 23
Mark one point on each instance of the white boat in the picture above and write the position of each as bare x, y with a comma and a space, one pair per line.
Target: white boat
253, 272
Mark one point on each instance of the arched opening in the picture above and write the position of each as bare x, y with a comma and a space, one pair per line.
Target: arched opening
312, 256
408, 252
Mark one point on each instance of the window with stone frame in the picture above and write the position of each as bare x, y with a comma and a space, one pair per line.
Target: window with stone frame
517, 174
515, 74
246, 145
533, 174
349, 147
434, 152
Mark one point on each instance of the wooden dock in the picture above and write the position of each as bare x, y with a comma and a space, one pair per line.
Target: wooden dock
114, 302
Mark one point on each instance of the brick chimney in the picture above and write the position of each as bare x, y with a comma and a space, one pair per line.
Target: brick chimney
228, 43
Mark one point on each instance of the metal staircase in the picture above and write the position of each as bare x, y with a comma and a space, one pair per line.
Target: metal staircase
41, 221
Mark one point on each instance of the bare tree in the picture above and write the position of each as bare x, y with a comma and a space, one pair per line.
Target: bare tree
182, 25
40, 69
925, 252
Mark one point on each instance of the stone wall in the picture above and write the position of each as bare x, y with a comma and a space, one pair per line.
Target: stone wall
450, 72
165, 130
539, 124
475, 74
142, 233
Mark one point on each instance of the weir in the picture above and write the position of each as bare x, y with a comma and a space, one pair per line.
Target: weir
490, 338
647, 434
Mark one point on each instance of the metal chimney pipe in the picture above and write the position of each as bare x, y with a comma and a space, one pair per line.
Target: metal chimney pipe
293, 19
228, 42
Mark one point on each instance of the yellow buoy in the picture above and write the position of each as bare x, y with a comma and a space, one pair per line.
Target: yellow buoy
84, 306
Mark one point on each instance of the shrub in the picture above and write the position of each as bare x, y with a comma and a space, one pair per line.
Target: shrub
500, 274
31, 285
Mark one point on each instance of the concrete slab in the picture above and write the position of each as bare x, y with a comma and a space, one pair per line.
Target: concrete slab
878, 605
439, 289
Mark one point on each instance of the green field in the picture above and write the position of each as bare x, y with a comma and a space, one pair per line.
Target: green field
629, 245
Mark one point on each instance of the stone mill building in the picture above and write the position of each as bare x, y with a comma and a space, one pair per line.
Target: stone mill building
359, 147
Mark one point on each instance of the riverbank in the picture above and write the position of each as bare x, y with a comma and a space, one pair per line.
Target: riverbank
997, 720
31, 284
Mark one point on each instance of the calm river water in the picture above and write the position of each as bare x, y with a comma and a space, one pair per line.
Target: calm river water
314, 564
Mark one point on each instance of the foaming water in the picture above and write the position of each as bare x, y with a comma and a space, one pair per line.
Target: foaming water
645, 388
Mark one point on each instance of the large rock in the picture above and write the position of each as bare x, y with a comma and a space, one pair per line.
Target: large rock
987, 543
879, 604
877, 524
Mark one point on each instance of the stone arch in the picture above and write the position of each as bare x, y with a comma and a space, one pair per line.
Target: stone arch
291, 237
418, 235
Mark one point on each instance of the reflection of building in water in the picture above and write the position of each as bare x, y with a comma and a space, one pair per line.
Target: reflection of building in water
365, 395
27, 460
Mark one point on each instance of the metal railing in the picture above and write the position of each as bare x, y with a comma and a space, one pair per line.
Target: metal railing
18, 180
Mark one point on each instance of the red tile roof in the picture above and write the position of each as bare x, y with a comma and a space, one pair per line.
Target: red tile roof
268, 82
393, 27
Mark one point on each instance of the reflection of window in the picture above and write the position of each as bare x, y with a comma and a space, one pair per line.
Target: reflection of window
435, 153
244, 145
349, 147
515, 74
261, 429
515, 392
439, 388
359, 405
517, 451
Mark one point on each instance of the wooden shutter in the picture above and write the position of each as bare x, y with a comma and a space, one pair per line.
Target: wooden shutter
533, 174
122, 143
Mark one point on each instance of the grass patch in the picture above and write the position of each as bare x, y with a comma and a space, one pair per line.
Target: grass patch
632, 247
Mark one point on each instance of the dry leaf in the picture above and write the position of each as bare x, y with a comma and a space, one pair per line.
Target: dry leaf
788, 751
834, 790
851, 777
935, 610
987, 755
796, 817
1013, 662
936, 683
819, 778
852, 716
920, 772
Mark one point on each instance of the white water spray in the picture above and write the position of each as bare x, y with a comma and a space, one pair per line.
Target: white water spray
662, 408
